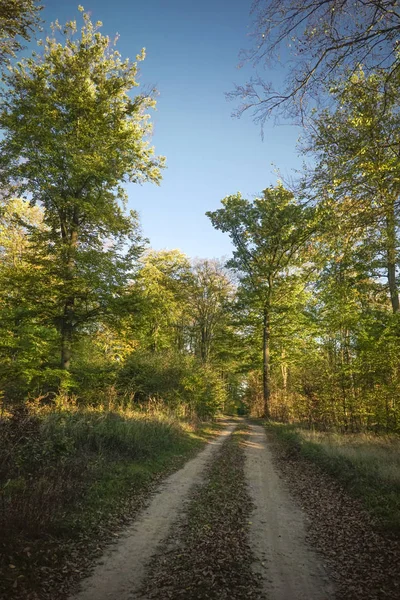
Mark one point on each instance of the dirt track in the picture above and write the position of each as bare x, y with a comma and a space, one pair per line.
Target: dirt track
120, 572
289, 569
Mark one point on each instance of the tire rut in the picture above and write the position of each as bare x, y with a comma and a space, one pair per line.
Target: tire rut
207, 555
290, 569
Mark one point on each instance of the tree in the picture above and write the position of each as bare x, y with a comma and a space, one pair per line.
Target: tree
157, 300
26, 340
268, 234
209, 295
17, 218
72, 137
18, 20
320, 38
356, 147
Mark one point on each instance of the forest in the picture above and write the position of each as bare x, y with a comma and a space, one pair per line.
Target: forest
302, 323
111, 348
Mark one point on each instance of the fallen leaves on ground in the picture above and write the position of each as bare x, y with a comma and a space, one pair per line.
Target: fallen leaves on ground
208, 555
364, 561
51, 565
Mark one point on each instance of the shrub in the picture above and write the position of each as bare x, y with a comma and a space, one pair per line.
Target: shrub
181, 381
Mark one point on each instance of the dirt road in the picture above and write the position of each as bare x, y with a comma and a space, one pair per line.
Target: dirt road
289, 568
120, 572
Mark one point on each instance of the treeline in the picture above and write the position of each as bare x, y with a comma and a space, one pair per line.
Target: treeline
163, 333
329, 302
87, 310
301, 324
319, 267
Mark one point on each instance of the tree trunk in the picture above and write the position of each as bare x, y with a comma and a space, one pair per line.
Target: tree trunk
284, 371
66, 344
391, 258
203, 344
266, 382
67, 321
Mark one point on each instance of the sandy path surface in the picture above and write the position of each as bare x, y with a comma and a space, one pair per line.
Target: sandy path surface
289, 567
121, 570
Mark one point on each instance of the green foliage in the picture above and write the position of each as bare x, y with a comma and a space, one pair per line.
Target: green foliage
303, 321
358, 166
333, 307
18, 19
26, 343
83, 137
185, 384
269, 235
166, 337
157, 299
155, 375
205, 391
210, 296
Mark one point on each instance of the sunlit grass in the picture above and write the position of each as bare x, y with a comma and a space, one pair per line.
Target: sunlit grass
70, 473
367, 465
53, 457
378, 456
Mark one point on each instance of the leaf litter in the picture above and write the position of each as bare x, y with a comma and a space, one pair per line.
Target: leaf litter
207, 555
364, 560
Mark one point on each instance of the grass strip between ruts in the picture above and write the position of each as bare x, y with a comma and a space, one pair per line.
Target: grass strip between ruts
208, 555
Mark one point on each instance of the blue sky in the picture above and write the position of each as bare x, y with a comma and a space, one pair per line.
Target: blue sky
192, 55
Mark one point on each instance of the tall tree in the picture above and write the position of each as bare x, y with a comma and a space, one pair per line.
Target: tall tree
268, 235
357, 151
72, 136
209, 295
157, 300
26, 340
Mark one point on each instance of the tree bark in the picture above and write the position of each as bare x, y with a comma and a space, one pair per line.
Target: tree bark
67, 321
66, 341
284, 371
203, 344
266, 378
391, 258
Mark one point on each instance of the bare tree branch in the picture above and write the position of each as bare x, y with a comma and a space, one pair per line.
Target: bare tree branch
319, 39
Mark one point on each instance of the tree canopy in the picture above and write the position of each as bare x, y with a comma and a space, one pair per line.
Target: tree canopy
72, 136
268, 234
301, 323
18, 21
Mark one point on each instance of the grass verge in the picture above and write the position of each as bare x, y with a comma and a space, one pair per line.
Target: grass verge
367, 466
70, 479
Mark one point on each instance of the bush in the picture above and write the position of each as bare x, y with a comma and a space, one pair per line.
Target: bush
154, 375
181, 381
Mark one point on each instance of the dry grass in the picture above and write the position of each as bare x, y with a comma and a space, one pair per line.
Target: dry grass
68, 473
50, 455
367, 465
379, 456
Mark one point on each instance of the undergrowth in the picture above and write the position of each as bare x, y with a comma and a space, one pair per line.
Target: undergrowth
368, 466
65, 471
